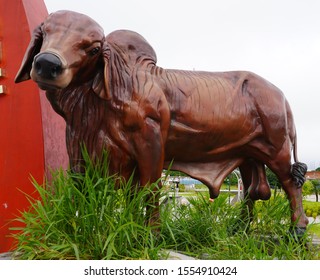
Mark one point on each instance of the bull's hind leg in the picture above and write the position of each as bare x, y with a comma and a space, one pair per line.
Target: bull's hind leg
291, 178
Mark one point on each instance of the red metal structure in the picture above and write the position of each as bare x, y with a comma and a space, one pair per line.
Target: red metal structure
32, 137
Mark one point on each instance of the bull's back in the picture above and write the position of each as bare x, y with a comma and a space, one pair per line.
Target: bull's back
211, 112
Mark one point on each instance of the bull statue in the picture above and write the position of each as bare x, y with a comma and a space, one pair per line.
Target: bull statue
112, 95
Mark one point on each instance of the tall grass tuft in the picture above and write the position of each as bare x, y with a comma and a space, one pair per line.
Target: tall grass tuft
206, 230
95, 215
87, 216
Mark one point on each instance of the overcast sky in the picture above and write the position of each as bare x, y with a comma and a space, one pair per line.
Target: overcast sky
277, 39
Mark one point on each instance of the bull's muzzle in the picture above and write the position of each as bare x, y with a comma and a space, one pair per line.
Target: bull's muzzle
47, 66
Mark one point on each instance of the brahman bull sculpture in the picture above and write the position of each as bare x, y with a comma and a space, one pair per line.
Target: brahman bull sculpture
112, 95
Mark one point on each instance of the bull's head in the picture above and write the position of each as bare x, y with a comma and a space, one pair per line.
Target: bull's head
65, 50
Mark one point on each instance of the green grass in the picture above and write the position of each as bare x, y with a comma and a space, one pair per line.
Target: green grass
98, 222
315, 229
86, 216
214, 231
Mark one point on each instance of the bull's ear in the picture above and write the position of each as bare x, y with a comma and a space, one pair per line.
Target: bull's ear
33, 49
101, 83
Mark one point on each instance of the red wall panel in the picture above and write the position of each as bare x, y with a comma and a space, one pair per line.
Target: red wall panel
31, 135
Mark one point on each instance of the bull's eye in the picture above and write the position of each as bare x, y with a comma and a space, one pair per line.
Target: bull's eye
94, 51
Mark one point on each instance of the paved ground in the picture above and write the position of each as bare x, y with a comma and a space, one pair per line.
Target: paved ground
316, 220
5, 256
177, 256
171, 256
311, 197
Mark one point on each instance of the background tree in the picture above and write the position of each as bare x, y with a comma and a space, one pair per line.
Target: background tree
231, 179
316, 187
307, 188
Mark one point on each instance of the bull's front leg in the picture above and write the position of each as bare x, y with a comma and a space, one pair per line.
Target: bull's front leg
149, 147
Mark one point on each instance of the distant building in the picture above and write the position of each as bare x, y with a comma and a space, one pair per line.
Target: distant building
313, 175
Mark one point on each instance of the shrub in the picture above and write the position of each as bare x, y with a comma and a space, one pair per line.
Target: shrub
182, 188
311, 208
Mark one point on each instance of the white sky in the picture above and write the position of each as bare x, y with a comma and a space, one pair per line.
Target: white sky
277, 39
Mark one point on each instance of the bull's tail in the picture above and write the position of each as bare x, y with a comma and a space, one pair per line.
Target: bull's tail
298, 169
294, 143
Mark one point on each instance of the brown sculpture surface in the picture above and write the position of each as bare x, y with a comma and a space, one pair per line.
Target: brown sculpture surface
112, 95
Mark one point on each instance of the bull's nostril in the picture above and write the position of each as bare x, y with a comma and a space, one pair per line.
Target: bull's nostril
56, 70
38, 68
48, 66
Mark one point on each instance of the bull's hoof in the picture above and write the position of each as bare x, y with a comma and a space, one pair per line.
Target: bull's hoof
298, 233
